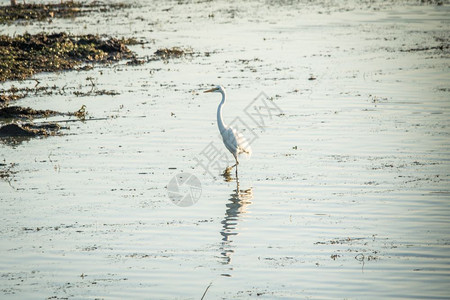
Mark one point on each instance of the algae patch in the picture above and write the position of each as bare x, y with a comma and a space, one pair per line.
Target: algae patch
22, 56
46, 12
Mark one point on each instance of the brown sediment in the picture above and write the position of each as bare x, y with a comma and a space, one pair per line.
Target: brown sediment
29, 130
46, 12
22, 56
7, 97
174, 52
14, 93
11, 112
6, 170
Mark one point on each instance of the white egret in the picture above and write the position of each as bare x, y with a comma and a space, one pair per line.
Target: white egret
234, 141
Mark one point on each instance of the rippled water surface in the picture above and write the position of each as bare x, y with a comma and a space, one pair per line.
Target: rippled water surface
346, 194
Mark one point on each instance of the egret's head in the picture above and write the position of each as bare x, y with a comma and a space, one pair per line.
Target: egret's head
217, 89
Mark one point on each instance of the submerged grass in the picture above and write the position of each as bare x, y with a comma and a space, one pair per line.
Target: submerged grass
24, 55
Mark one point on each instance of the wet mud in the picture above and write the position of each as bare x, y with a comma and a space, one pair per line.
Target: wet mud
17, 128
29, 130
22, 56
48, 11
18, 112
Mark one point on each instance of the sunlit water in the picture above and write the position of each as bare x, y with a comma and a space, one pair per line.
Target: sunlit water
346, 195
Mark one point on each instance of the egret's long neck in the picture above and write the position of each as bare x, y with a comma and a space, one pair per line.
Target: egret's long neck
220, 123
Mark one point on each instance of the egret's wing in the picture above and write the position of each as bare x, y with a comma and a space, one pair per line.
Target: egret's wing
243, 146
236, 142
230, 141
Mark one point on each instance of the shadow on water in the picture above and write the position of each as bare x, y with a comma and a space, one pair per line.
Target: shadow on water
236, 207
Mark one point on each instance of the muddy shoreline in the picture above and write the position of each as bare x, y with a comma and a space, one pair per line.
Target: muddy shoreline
48, 11
23, 56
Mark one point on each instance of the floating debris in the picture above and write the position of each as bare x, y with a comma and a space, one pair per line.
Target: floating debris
174, 52
442, 47
96, 93
136, 62
14, 93
5, 98
6, 171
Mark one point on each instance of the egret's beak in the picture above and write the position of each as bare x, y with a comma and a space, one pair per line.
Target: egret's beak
211, 90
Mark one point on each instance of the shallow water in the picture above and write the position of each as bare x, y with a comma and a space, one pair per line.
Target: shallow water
346, 194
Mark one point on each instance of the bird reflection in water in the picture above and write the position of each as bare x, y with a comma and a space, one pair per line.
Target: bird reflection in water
237, 206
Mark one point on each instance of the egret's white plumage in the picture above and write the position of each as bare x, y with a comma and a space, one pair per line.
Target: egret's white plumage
234, 141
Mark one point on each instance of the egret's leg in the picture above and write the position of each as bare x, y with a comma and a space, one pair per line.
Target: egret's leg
228, 169
236, 165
